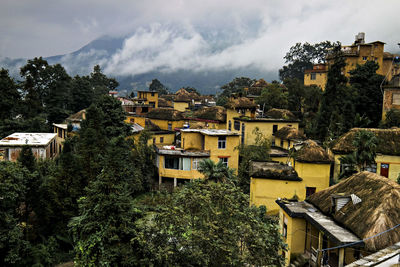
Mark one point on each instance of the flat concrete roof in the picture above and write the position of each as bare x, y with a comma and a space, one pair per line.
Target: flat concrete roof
324, 223
175, 151
61, 125
31, 139
210, 131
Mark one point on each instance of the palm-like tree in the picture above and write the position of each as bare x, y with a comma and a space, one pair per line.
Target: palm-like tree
217, 172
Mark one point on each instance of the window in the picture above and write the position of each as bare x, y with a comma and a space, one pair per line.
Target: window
224, 161
152, 93
229, 125
153, 104
132, 120
169, 126
222, 142
196, 163
161, 140
310, 191
365, 58
154, 140
60, 133
396, 99
236, 125
274, 128
177, 163
171, 163
281, 142
313, 76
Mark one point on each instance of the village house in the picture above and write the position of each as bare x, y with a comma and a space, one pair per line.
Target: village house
43, 145
207, 118
76, 119
180, 164
308, 172
356, 54
287, 137
391, 96
239, 106
270, 123
388, 151
342, 223
148, 98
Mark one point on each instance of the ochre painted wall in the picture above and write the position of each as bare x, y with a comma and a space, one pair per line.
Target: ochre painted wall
265, 127
265, 191
320, 79
163, 124
130, 119
181, 106
191, 140
211, 143
296, 234
172, 173
393, 161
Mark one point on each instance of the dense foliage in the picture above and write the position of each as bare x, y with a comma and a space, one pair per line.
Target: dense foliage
210, 224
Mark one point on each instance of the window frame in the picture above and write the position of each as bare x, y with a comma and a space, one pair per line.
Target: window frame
221, 142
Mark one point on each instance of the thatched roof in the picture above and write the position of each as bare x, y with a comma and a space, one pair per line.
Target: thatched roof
241, 102
388, 141
289, 133
185, 96
151, 126
273, 170
216, 113
162, 103
77, 117
378, 210
313, 153
283, 114
165, 114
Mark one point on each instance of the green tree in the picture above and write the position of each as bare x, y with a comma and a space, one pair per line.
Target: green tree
157, 86
191, 89
104, 229
392, 119
364, 154
257, 152
101, 84
302, 56
9, 96
369, 96
209, 224
217, 172
27, 159
336, 113
273, 96
237, 85
12, 191
82, 93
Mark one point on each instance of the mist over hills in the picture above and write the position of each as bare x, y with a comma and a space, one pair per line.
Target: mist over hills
205, 59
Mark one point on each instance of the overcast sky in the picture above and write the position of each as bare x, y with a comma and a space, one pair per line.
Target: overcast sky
258, 32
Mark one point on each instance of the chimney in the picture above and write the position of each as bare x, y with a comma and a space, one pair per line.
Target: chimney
360, 38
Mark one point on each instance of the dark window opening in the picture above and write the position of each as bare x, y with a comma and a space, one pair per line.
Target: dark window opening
274, 128
236, 125
222, 142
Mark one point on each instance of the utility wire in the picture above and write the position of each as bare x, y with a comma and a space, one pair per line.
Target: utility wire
368, 238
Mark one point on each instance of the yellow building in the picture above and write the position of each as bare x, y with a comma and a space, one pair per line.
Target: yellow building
334, 226
357, 54
318, 76
179, 164
272, 121
388, 151
239, 106
208, 118
272, 180
391, 96
181, 105
148, 98
62, 132
166, 118
287, 137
